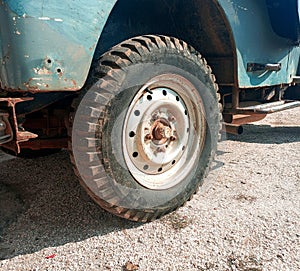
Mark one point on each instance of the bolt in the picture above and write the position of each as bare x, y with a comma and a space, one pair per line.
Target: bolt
155, 116
148, 137
167, 132
172, 118
161, 149
173, 138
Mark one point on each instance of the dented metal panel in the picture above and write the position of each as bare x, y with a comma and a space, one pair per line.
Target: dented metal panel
49, 45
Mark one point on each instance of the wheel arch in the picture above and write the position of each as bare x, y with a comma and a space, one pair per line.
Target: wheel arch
201, 23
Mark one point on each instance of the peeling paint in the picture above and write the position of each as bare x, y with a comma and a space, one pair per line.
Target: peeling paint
42, 71
64, 31
53, 42
74, 83
50, 19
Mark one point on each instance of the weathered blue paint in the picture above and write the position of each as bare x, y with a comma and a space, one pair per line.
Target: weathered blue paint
49, 45
256, 42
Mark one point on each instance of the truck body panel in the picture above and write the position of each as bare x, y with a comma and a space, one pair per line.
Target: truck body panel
256, 42
49, 45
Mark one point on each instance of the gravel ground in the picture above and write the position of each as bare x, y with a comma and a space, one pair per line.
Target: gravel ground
247, 216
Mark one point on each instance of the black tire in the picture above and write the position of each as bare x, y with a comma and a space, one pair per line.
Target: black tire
170, 90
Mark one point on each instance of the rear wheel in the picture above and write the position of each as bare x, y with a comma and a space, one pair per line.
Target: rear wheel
146, 129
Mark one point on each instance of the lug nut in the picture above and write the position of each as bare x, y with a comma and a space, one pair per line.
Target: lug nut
148, 137
173, 138
161, 149
155, 116
171, 118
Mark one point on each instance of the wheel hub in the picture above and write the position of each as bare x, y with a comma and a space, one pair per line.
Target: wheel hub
161, 131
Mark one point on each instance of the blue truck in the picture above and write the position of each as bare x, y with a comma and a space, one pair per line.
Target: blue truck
139, 90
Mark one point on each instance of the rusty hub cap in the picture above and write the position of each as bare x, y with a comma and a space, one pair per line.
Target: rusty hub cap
161, 129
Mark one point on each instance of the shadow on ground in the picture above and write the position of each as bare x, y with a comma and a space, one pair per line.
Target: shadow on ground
42, 205
266, 134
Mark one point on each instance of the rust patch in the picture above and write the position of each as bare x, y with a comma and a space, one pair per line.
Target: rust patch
59, 72
25, 136
42, 71
74, 83
29, 87
19, 136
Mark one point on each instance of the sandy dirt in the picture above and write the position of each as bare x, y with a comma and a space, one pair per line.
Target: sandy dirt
246, 217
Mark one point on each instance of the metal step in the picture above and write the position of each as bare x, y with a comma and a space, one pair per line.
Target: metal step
266, 108
296, 79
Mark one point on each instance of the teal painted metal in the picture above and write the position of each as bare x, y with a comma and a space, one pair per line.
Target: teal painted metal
256, 42
49, 45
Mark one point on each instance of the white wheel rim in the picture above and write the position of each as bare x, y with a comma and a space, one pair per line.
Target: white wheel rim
163, 132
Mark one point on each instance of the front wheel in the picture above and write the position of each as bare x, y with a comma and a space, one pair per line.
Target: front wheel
146, 128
